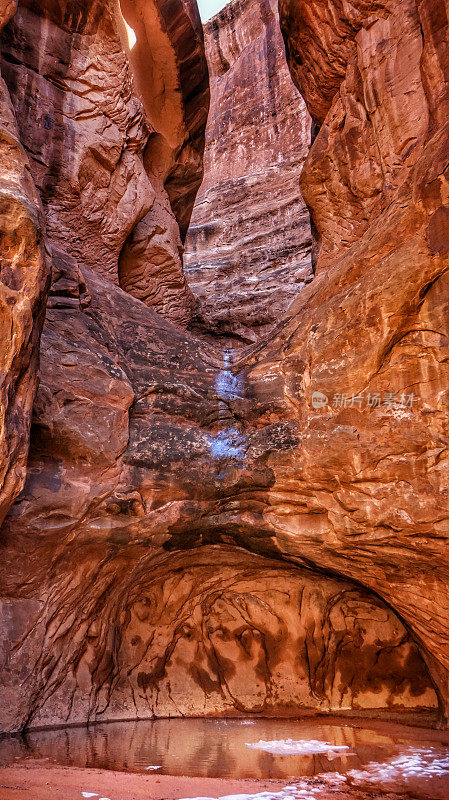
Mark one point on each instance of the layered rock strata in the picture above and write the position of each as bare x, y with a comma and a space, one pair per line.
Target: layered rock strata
248, 247
175, 502
375, 322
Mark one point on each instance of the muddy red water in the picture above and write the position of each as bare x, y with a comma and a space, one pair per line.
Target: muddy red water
357, 754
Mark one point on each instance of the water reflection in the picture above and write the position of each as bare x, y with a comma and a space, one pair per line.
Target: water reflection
390, 755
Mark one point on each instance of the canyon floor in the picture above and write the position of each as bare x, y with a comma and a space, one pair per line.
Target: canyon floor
41, 783
393, 762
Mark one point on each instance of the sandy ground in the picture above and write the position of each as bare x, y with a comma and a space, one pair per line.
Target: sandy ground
34, 782
68, 783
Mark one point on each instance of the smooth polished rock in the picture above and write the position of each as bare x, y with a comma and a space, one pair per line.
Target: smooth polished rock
24, 280
138, 490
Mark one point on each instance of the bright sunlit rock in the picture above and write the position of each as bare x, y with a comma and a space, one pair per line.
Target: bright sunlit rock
132, 38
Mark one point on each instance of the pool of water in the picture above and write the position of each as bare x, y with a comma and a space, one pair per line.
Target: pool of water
370, 755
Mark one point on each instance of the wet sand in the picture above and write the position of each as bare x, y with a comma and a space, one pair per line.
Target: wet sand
36, 782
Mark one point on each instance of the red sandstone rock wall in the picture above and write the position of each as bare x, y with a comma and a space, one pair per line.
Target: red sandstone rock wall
116, 172
106, 612
174, 501
248, 248
111, 166
375, 320
24, 278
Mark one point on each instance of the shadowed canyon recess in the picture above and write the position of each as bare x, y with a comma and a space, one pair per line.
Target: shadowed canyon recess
186, 530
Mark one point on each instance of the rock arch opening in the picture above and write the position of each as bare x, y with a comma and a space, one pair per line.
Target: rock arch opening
218, 631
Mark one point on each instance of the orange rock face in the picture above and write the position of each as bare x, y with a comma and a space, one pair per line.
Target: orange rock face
105, 611
375, 321
107, 163
248, 248
197, 535
25, 271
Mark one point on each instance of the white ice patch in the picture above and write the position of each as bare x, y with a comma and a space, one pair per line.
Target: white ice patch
229, 442
287, 793
300, 790
89, 794
260, 796
154, 767
228, 385
423, 763
293, 747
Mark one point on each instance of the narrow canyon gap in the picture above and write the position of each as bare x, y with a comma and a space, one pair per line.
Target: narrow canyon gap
248, 249
197, 536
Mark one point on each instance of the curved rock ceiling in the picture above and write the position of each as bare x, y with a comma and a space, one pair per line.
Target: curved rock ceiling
197, 535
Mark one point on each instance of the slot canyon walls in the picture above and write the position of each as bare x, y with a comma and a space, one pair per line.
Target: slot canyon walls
106, 157
248, 250
374, 321
200, 537
97, 173
25, 272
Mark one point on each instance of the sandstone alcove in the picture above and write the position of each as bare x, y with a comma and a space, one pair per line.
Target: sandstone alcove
192, 536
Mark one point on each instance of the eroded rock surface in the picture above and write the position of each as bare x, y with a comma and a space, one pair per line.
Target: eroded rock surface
106, 159
139, 487
375, 320
217, 631
309, 475
248, 247
24, 277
